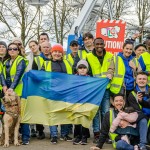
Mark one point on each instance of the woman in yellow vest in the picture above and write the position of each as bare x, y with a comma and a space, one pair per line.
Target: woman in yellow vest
13, 70
57, 64
123, 70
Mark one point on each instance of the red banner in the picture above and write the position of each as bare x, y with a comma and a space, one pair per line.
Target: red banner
113, 33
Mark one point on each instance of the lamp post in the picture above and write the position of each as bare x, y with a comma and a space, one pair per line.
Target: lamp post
37, 4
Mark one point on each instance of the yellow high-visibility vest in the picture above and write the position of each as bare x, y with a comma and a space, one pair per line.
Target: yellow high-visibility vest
99, 70
48, 66
146, 59
118, 78
13, 71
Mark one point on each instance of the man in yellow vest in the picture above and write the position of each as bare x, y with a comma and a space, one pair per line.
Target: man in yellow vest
74, 46
118, 142
99, 61
88, 46
144, 60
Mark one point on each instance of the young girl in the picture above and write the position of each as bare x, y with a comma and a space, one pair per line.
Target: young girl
81, 133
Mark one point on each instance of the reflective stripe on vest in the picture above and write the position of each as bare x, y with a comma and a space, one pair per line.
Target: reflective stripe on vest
48, 66
13, 70
135, 95
69, 58
118, 78
112, 135
135, 61
97, 69
82, 54
39, 61
146, 59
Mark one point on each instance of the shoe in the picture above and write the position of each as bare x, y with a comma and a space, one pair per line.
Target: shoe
84, 141
96, 140
108, 141
54, 140
66, 138
41, 136
77, 141
25, 142
33, 133
125, 138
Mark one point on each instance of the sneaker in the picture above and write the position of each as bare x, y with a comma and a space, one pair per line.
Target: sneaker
77, 141
33, 133
54, 140
108, 141
66, 138
84, 141
25, 142
41, 136
96, 140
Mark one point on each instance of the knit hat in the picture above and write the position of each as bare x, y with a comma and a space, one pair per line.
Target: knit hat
82, 62
3, 43
57, 47
16, 39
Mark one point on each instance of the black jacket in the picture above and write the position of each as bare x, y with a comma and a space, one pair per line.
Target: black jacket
104, 132
133, 103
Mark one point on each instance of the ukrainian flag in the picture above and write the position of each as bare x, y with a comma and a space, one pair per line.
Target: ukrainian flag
52, 98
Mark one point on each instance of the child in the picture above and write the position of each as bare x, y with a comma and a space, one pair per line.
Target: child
81, 133
128, 115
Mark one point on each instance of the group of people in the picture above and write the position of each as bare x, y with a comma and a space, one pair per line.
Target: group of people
125, 107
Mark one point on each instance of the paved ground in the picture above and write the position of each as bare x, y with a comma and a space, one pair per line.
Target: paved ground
45, 144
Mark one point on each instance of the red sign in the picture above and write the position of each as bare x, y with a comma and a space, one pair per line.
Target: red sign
113, 33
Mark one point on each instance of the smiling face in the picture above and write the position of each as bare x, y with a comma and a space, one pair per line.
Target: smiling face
13, 51
139, 51
88, 42
57, 55
141, 80
127, 50
119, 102
99, 45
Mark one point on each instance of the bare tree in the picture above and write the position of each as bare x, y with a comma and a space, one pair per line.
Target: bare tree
142, 8
18, 19
60, 19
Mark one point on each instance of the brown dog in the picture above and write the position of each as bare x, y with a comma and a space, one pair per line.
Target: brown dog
11, 119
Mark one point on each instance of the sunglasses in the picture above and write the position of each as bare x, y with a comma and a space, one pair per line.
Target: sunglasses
10, 49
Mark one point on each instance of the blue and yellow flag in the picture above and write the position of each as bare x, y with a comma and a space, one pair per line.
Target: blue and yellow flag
52, 98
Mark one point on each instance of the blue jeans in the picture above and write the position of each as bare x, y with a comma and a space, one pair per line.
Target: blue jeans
143, 129
104, 107
25, 131
122, 145
54, 131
